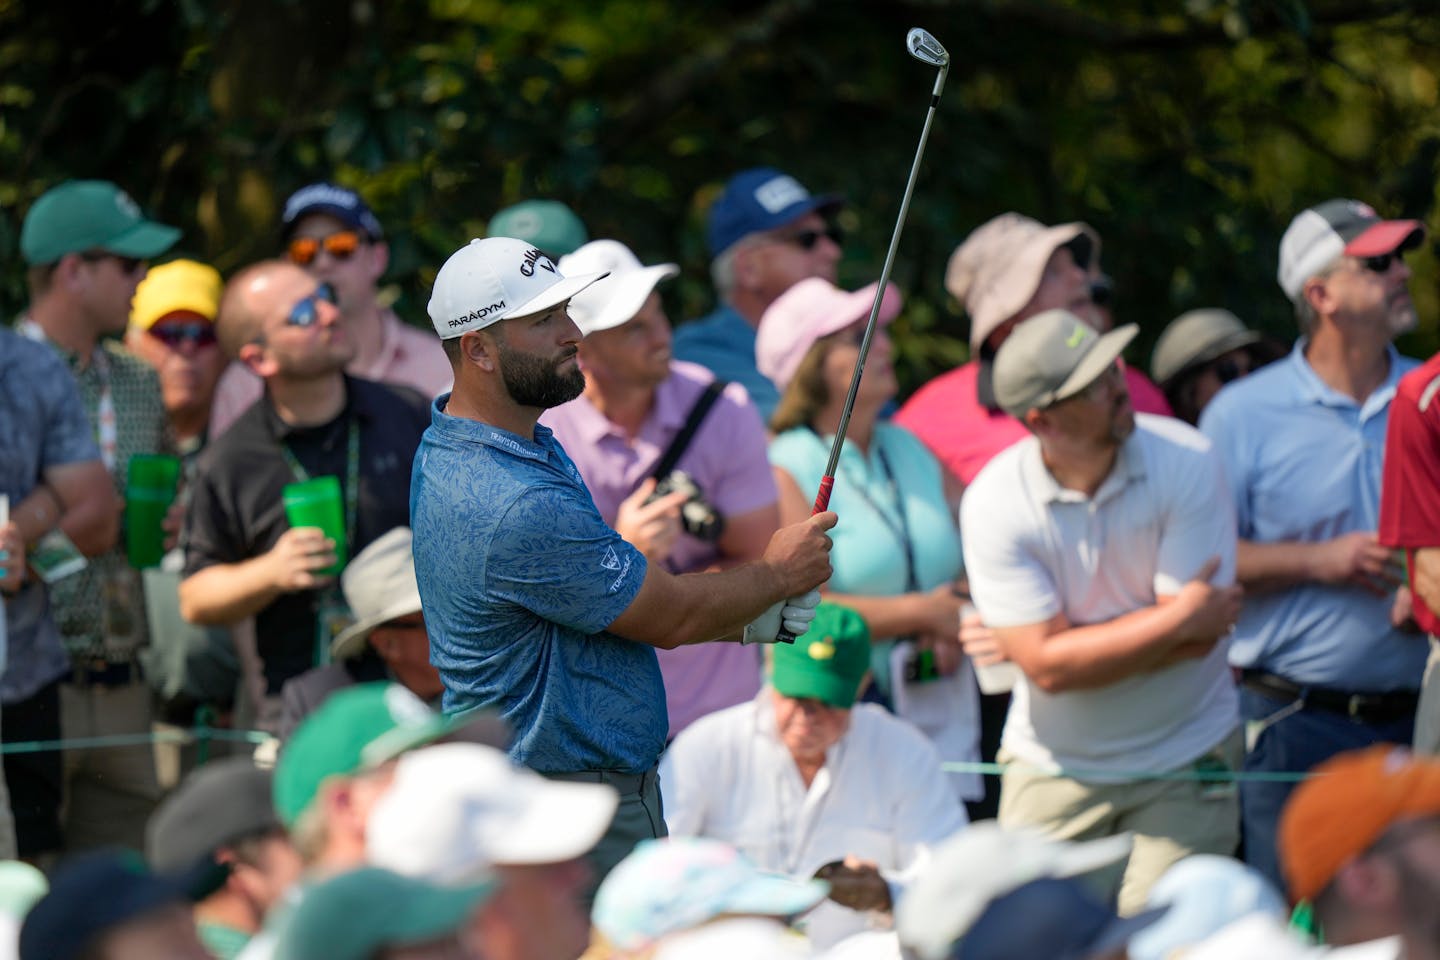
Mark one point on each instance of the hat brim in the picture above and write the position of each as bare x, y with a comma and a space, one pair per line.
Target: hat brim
829, 689
554, 294
1020, 277
562, 821
351, 641
144, 240
1105, 352
1118, 933
630, 290
1387, 236
776, 896
1213, 351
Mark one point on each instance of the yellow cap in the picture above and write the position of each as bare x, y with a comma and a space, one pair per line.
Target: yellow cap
177, 285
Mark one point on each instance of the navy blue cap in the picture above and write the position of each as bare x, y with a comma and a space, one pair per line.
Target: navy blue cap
342, 203
91, 895
760, 199
1050, 918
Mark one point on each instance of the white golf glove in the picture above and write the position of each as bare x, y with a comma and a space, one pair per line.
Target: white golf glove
794, 615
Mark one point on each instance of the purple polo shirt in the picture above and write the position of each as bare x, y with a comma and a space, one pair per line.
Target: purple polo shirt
727, 459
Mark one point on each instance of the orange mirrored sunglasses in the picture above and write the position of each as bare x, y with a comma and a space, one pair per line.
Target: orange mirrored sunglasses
341, 246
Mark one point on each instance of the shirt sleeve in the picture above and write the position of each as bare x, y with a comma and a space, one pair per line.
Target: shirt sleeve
68, 435
1219, 425
210, 535
1010, 584
1199, 523
1409, 507
560, 561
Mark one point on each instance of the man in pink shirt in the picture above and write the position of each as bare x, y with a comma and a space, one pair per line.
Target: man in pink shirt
1008, 270
637, 399
330, 232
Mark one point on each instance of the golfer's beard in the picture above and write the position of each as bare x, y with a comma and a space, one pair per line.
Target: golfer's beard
535, 382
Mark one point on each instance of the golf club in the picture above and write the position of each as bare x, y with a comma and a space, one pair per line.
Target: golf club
923, 47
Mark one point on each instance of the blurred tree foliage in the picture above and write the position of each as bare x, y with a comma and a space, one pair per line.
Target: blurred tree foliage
1187, 131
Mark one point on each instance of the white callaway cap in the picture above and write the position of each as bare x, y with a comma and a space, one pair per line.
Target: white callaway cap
494, 279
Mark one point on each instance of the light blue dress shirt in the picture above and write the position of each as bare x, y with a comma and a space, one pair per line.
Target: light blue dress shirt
724, 343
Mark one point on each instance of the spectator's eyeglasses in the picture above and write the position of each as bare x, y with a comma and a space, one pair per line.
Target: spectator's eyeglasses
306, 313
174, 334
127, 265
806, 239
341, 245
1380, 264
1230, 369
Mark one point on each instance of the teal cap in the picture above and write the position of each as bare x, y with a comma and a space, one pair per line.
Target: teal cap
828, 662
81, 215
547, 224
355, 915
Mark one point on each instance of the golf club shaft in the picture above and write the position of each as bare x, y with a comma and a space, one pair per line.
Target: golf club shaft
827, 482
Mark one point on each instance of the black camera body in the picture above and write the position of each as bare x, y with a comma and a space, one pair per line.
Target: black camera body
697, 515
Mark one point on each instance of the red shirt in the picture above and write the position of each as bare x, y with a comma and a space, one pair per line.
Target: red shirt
947, 415
1410, 489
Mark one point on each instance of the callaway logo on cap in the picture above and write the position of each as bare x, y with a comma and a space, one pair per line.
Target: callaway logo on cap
495, 279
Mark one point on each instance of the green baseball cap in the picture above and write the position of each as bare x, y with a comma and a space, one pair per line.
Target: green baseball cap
828, 662
547, 224
356, 914
357, 729
1051, 357
81, 215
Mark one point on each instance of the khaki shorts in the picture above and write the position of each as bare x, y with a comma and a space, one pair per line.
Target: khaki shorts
1171, 819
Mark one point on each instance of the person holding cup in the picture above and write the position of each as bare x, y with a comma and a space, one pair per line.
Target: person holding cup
260, 541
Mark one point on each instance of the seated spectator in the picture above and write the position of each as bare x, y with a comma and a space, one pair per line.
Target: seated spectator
548, 225
220, 823
896, 559
626, 425
1360, 840
1008, 270
373, 914
330, 232
172, 328
667, 887
1205, 894
386, 641
456, 811
983, 863
802, 779
1197, 354
106, 905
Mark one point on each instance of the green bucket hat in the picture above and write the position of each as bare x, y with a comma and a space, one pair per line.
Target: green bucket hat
828, 662
547, 224
80, 215
354, 730
356, 914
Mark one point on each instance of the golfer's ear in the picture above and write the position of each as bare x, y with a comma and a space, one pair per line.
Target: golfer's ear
479, 347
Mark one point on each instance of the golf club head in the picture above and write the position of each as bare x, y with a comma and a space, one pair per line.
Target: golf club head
923, 46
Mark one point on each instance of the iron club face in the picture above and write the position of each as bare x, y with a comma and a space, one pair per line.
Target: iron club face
923, 46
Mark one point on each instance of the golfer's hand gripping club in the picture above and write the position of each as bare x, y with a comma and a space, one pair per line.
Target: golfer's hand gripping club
791, 616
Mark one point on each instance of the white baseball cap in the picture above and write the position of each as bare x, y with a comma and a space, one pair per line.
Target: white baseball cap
456, 808
494, 279
621, 293
979, 864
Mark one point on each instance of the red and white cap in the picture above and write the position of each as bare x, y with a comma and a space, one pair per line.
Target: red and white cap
1317, 237
494, 279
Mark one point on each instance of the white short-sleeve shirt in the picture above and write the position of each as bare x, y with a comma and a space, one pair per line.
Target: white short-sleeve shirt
1034, 549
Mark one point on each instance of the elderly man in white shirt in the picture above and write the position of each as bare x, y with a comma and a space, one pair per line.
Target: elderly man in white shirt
804, 781
1101, 551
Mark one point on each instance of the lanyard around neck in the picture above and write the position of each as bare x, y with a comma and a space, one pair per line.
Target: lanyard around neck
352, 476
899, 526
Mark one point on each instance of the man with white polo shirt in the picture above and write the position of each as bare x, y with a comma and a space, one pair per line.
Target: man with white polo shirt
1091, 548
631, 420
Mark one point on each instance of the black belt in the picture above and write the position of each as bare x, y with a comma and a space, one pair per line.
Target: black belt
626, 784
102, 673
1365, 707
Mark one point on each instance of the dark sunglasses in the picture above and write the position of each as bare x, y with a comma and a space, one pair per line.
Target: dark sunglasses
806, 239
306, 313
1229, 369
127, 265
174, 334
341, 245
1381, 264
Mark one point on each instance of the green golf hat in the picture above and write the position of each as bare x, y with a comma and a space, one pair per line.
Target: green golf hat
355, 730
81, 215
355, 915
547, 224
828, 662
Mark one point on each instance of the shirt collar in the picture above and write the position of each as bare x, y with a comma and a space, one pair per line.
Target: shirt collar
356, 406
667, 410
1129, 466
1315, 390
474, 431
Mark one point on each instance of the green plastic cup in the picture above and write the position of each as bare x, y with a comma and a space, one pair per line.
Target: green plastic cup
317, 503
150, 483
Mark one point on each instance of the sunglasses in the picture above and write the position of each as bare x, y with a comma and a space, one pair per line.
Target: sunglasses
806, 239
306, 313
174, 334
127, 265
1230, 369
341, 246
